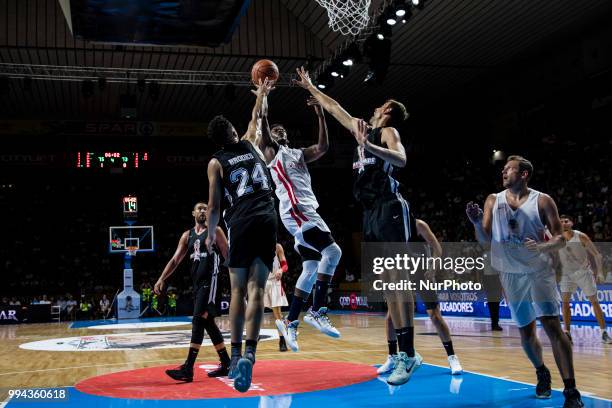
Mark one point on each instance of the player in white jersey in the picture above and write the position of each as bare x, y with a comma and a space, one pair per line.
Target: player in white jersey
298, 211
512, 224
274, 295
577, 271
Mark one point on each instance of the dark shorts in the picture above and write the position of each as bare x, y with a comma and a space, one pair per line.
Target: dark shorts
206, 298
317, 239
252, 238
387, 220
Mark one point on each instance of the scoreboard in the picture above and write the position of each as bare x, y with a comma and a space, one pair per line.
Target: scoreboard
111, 159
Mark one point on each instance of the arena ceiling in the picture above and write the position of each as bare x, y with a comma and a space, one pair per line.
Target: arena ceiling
440, 49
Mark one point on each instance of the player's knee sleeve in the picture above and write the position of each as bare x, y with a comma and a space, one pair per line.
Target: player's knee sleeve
331, 258
213, 331
197, 330
308, 276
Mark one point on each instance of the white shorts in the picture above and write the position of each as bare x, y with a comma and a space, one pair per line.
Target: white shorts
531, 295
297, 224
274, 295
582, 278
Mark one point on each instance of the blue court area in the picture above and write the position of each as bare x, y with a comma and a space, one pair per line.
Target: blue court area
431, 386
83, 324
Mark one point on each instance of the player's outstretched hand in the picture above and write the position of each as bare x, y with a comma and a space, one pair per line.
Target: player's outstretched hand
304, 78
159, 287
474, 212
531, 245
312, 101
264, 87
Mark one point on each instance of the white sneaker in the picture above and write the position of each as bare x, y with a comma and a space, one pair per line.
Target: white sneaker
289, 331
405, 367
605, 338
311, 318
321, 322
388, 366
455, 365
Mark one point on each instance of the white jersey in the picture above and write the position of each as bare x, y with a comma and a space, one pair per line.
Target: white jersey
292, 180
510, 228
574, 256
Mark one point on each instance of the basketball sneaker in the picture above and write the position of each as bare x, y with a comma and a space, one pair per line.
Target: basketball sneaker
572, 398
231, 371
388, 366
244, 373
183, 373
404, 368
221, 371
289, 332
321, 322
543, 386
455, 365
605, 338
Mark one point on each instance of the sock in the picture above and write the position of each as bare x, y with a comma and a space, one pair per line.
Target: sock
320, 295
405, 340
569, 383
392, 347
236, 349
223, 356
448, 346
191, 357
251, 346
494, 313
297, 303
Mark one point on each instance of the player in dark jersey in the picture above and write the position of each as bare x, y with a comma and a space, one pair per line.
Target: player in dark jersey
204, 270
423, 242
239, 174
385, 212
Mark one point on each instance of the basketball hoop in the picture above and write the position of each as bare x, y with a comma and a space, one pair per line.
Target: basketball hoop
347, 16
131, 250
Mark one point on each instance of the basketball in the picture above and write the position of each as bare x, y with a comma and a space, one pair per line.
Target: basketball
263, 69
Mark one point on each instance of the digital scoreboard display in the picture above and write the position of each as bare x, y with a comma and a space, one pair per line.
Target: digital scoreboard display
111, 159
130, 205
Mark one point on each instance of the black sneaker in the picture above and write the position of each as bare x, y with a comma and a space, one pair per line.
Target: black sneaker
543, 386
221, 371
496, 327
183, 373
282, 346
572, 398
569, 336
232, 366
244, 372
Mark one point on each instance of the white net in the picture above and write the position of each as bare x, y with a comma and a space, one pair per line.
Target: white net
347, 16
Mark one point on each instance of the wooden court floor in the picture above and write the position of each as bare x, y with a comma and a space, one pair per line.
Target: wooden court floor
363, 341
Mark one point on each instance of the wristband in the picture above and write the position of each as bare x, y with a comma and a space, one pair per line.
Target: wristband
284, 266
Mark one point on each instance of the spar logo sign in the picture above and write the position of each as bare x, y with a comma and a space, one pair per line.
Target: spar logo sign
353, 301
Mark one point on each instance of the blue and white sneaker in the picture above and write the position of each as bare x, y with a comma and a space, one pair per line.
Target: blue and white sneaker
289, 332
244, 373
455, 365
231, 373
321, 322
404, 368
388, 366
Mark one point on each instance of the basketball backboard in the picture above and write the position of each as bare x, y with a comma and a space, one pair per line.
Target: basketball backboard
124, 238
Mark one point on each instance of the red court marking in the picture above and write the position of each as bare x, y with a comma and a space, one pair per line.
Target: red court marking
268, 379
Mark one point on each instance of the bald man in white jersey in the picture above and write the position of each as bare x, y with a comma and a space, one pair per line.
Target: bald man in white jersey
513, 225
578, 271
298, 211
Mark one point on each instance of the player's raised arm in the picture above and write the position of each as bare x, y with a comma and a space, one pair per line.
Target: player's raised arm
316, 151
482, 220
213, 213
176, 259
329, 104
262, 91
